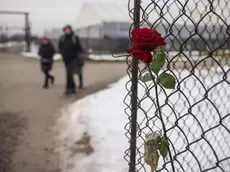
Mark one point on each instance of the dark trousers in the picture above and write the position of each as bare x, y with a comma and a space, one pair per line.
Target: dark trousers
80, 75
47, 78
70, 83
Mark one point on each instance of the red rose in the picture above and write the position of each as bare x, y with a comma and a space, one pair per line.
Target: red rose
145, 56
147, 39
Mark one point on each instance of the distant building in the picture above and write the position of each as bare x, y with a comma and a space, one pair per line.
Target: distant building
99, 20
54, 33
105, 26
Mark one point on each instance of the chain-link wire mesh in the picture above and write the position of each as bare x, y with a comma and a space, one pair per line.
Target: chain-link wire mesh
197, 113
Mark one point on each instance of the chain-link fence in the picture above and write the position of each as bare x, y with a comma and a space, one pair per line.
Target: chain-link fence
197, 113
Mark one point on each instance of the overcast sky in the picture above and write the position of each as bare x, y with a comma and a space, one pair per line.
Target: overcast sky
45, 14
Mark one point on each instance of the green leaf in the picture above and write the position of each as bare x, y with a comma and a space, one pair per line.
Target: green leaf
164, 147
158, 60
167, 81
146, 77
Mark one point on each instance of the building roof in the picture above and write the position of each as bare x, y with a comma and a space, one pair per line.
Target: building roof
93, 13
97, 13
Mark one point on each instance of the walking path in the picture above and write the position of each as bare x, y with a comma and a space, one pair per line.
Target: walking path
28, 112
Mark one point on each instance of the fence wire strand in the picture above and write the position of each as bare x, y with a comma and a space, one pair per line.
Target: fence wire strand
197, 113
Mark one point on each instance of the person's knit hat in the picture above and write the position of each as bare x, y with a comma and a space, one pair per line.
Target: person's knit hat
67, 26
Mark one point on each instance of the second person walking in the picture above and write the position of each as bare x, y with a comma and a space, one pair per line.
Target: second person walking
70, 49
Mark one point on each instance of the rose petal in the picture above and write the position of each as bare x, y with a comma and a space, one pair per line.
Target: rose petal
145, 56
147, 39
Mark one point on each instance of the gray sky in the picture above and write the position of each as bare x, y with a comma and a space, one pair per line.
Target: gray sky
45, 14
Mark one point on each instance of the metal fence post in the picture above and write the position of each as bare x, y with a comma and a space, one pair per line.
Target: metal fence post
134, 89
27, 32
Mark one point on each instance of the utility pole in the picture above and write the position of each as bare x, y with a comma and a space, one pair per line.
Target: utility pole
27, 33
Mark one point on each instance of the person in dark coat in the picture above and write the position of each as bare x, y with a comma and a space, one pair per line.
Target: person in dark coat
70, 49
46, 52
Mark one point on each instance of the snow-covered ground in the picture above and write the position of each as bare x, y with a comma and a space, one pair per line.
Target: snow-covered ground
10, 44
194, 55
36, 56
102, 116
177, 56
96, 57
